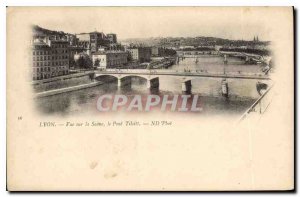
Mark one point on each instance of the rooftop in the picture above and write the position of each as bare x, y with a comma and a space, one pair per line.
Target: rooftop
38, 42
108, 52
60, 41
94, 32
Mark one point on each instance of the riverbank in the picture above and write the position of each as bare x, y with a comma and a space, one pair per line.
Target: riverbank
67, 89
64, 81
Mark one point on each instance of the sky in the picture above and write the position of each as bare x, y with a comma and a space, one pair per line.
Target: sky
137, 22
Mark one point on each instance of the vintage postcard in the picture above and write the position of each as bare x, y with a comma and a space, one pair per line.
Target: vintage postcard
150, 98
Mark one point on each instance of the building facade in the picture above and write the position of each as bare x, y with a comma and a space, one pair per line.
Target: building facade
83, 37
112, 38
73, 50
140, 54
72, 39
93, 40
156, 51
110, 59
50, 58
97, 39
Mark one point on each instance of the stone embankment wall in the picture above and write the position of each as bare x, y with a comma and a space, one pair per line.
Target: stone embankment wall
63, 81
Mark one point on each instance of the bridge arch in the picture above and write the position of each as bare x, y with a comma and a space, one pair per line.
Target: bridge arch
152, 82
186, 84
106, 78
133, 76
126, 79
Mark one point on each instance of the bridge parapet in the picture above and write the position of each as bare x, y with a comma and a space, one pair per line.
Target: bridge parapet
154, 73
254, 112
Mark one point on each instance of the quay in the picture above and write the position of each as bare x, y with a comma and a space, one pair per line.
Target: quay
67, 89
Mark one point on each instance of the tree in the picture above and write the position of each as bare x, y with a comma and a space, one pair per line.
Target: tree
84, 62
129, 58
97, 63
149, 67
72, 63
169, 52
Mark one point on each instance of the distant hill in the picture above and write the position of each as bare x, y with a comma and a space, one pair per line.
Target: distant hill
39, 31
164, 41
189, 41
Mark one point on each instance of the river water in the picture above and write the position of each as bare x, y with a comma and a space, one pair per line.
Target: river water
242, 92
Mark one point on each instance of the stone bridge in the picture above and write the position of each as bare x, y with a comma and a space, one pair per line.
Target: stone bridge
124, 76
125, 79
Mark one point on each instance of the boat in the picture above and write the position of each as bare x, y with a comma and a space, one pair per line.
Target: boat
261, 87
224, 86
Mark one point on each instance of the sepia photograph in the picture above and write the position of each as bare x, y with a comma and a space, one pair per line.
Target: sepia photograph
150, 98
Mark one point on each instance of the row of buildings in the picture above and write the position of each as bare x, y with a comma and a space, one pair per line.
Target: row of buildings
119, 58
110, 59
50, 58
94, 41
54, 53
